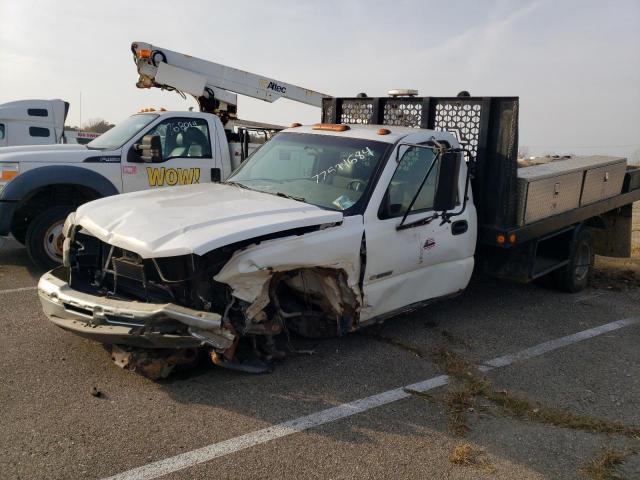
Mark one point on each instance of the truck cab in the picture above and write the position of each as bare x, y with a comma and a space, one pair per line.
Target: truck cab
32, 122
329, 226
40, 185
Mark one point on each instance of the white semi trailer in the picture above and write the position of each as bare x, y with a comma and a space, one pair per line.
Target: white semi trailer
32, 122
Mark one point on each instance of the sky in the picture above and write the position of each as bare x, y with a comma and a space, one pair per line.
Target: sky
575, 64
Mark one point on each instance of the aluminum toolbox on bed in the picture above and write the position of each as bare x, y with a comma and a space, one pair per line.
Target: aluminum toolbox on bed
555, 186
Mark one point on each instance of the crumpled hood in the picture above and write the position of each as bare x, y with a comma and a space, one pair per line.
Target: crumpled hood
58, 153
194, 218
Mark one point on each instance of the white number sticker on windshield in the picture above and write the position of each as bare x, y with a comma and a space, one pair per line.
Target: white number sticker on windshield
347, 162
183, 126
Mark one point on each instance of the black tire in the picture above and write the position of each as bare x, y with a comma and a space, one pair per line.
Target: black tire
576, 275
43, 237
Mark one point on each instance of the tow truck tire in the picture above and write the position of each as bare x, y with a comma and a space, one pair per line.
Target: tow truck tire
44, 237
576, 275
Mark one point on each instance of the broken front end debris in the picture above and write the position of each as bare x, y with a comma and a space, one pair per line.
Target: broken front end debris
157, 314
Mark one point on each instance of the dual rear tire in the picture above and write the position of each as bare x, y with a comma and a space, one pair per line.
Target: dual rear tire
575, 276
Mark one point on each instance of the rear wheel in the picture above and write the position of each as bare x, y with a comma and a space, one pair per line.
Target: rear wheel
575, 276
44, 237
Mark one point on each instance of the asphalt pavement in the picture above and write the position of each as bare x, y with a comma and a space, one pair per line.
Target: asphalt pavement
560, 414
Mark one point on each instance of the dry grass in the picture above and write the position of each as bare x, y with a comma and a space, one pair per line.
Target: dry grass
604, 465
522, 408
458, 403
399, 342
468, 383
466, 455
474, 384
453, 364
618, 280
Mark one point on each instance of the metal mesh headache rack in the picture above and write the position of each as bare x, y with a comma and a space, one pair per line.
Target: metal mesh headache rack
485, 126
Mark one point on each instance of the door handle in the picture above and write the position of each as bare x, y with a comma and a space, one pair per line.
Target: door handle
216, 175
459, 227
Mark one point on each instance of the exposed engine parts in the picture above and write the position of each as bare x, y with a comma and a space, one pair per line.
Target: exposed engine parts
182, 300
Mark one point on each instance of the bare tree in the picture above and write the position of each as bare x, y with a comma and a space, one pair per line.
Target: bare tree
97, 125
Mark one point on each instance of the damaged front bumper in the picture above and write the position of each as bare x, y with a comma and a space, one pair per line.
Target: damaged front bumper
122, 322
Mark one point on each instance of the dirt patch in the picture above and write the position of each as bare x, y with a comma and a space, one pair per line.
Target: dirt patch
618, 274
466, 455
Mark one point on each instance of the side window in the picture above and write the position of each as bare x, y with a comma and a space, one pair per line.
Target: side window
406, 181
1, 131
39, 132
37, 112
183, 137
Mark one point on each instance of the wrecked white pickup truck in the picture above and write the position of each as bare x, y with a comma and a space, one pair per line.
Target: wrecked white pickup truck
323, 230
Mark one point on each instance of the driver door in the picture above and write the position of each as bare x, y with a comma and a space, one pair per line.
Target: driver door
186, 156
409, 265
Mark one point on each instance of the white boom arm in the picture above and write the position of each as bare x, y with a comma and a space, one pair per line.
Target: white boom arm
211, 82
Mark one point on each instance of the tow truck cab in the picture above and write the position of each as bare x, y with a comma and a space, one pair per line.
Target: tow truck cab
40, 185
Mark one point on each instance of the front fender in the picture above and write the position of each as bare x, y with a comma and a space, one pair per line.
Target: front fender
20, 187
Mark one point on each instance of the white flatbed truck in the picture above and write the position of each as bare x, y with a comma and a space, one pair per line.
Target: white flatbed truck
388, 205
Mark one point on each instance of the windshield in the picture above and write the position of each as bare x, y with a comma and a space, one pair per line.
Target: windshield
327, 171
121, 133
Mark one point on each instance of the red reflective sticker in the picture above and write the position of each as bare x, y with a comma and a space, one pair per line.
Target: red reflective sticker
429, 244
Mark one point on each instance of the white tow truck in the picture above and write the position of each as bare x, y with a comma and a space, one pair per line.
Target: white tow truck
40, 185
331, 227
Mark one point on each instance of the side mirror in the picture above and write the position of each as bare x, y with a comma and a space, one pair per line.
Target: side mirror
447, 189
150, 149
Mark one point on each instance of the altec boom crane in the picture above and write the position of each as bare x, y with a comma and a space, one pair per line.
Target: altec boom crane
214, 86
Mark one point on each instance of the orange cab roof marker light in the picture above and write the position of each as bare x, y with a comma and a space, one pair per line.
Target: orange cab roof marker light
331, 127
144, 53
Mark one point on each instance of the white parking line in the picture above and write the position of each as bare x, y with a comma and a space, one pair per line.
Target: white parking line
226, 447
14, 290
